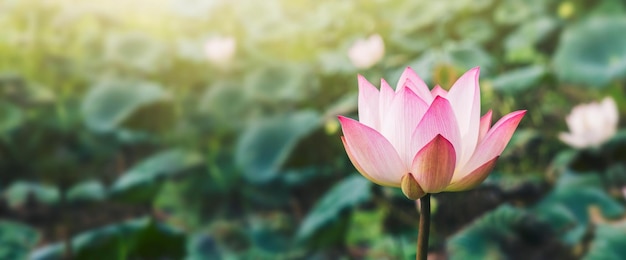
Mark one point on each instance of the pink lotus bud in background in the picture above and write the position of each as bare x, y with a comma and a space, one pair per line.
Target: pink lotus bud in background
425, 141
591, 124
220, 50
365, 53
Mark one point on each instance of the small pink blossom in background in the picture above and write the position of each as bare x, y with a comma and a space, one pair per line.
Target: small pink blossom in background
365, 53
591, 124
422, 140
220, 50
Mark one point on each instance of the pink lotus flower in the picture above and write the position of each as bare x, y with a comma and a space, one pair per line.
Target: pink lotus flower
425, 141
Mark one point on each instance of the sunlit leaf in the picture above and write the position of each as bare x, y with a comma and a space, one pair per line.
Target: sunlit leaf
225, 101
86, 192
142, 181
109, 103
521, 45
519, 79
266, 145
406, 20
512, 12
136, 51
18, 193
593, 52
467, 56
193, 8
476, 30
272, 84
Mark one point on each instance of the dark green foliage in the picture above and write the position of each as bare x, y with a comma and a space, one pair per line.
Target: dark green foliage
567, 208
16, 240
609, 242
132, 239
346, 194
481, 239
142, 182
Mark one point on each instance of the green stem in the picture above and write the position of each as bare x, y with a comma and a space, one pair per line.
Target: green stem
424, 228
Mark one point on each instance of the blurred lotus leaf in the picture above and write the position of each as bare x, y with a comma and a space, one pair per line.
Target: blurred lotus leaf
518, 80
565, 208
225, 101
366, 227
520, 141
520, 45
135, 51
190, 49
478, 5
343, 195
593, 52
501, 231
609, 242
467, 56
410, 41
277, 84
202, 246
266, 144
481, 240
271, 233
477, 30
133, 239
335, 62
344, 105
416, 15
86, 191
143, 180
15, 87
109, 104
20, 193
11, 117
16, 240
510, 12
609, 7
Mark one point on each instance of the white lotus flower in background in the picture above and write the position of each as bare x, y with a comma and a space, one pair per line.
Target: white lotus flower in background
365, 53
220, 50
591, 124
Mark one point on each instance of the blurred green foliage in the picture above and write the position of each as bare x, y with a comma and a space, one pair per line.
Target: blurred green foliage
120, 139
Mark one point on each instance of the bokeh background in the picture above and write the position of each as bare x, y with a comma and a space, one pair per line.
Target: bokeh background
206, 129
